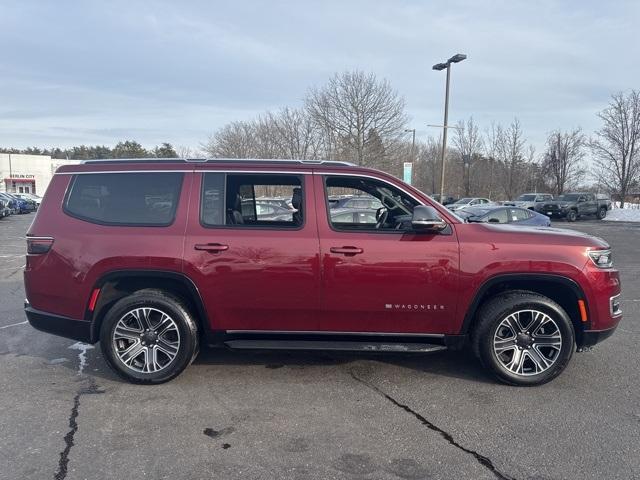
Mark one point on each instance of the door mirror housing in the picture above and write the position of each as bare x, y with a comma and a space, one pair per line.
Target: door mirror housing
426, 219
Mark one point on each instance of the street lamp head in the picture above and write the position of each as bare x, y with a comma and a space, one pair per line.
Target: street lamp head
458, 57
439, 66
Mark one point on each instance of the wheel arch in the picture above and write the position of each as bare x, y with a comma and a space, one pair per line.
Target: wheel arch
118, 284
563, 290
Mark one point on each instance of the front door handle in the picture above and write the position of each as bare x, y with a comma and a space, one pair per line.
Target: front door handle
211, 247
346, 250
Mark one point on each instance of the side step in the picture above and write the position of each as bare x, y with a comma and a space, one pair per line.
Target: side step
345, 346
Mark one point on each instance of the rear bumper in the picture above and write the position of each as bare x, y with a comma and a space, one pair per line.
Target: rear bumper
58, 325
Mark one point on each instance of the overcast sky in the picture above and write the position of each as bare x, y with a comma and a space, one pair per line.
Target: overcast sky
98, 72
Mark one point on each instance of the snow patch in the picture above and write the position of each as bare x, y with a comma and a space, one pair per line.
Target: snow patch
630, 213
82, 355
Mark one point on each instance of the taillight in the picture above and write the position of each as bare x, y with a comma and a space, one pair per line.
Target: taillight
39, 245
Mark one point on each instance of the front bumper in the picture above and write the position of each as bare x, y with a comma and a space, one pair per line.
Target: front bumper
590, 337
58, 325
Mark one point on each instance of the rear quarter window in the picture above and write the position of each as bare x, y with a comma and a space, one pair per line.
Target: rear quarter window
127, 199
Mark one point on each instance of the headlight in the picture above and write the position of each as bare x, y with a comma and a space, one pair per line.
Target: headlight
601, 258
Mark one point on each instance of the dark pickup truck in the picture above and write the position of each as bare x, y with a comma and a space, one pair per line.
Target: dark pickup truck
575, 205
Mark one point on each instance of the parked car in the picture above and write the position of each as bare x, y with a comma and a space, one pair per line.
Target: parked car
105, 265
277, 201
469, 202
266, 210
360, 201
30, 197
360, 216
503, 214
5, 211
21, 205
11, 203
531, 201
575, 205
447, 199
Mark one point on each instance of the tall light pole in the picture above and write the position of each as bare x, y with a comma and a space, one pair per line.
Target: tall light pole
441, 66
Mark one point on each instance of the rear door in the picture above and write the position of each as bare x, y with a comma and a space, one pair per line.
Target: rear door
253, 273
382, 278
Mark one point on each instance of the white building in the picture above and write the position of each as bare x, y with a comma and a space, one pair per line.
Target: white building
28, 173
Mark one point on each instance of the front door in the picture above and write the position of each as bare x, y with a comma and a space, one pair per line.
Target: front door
379, 276
255, 271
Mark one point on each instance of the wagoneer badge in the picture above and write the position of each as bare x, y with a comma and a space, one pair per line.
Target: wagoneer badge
402, 306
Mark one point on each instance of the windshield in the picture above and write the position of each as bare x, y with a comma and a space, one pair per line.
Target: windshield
464, 200
569, 197
526, 198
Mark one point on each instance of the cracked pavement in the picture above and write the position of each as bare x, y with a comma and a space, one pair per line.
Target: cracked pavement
313, 415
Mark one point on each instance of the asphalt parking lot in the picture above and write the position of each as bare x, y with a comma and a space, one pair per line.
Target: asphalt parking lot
64, 415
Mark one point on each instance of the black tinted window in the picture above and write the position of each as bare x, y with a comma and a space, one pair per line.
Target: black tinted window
148, 199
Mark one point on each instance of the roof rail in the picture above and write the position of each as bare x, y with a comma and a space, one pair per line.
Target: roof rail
220, 160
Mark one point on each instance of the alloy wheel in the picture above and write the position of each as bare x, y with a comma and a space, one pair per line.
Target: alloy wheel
146, 340
527, 342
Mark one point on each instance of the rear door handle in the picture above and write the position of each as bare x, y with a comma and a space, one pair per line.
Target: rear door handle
211, 247
346, 250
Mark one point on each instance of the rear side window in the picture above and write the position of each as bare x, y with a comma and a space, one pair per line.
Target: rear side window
249, 200
128, 199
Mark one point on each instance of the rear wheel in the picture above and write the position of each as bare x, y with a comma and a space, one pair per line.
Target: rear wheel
524, 338
602, 213
149, 337
572, 216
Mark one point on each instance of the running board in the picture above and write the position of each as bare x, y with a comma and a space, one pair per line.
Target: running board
347, 346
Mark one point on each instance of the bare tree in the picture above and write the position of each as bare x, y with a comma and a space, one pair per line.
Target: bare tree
184, 151
297, 136
469, 144
234, 140
511, 154
354, 110
427, 166
563, 159
616, 145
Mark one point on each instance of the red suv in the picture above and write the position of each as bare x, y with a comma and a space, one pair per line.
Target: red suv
151, 257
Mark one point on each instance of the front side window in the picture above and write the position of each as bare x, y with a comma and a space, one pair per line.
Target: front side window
127, 199
234, 200
394, 213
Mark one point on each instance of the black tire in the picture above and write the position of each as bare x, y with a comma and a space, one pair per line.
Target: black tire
183, 327
572, 216
490, 318
602, 213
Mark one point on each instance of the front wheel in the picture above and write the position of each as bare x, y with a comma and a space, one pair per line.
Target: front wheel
149, 337
524, 338
572, 216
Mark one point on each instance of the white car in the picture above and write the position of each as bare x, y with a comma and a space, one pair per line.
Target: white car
469, 202
30, 196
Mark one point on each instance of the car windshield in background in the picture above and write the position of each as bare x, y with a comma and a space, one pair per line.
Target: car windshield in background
569, 197
526, 198
463, 200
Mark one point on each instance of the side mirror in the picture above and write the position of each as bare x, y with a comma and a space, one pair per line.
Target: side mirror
426, 219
